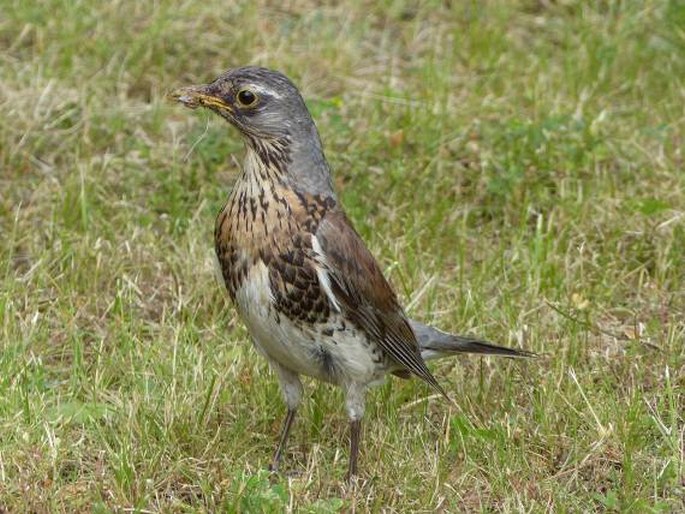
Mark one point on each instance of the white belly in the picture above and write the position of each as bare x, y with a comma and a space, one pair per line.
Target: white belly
342, 357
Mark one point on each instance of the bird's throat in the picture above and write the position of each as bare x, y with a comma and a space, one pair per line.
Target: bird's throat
297, 163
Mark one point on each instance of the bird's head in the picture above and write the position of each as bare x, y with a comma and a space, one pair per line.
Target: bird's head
268, 110
259, 102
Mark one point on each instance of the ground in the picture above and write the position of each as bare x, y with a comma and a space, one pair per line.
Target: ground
515, 166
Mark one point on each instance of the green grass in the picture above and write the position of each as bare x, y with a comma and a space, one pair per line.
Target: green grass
516, 167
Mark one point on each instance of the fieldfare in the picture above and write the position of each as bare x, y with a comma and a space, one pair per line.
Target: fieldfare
312, 296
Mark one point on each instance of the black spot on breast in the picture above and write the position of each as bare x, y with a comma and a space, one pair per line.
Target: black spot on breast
263, 202
233, 268
289, 273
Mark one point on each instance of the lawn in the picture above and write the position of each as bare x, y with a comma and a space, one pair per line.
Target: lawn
515, 166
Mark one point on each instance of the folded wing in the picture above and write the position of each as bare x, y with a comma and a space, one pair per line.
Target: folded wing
358, 288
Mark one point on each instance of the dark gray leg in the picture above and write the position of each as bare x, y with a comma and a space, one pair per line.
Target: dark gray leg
354, 402
291, 387
283, 439
355, 433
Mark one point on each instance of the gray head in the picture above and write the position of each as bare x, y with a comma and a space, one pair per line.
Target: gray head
267, 109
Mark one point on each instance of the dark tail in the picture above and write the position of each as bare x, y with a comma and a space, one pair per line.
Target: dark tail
435, 343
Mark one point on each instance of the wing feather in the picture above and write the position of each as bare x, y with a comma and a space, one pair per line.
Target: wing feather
365, 296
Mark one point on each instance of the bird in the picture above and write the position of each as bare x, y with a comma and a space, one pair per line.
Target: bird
312, 296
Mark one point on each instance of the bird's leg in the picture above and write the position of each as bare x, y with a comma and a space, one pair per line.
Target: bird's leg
291, 387
355, 432
354, 401
285, 432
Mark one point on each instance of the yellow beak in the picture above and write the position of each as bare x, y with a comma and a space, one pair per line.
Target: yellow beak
196, 96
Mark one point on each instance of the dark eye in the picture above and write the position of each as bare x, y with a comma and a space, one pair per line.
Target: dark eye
246, 98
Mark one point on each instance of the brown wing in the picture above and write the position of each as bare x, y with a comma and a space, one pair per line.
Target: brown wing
366, 297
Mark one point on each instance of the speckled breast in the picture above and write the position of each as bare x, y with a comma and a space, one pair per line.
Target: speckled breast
265, 222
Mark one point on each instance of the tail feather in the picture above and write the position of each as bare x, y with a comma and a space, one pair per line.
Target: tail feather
435, 343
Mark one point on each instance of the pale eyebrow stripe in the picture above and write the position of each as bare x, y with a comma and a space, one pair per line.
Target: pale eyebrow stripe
259, 89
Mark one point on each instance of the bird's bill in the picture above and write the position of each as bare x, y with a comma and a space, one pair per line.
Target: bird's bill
196, 96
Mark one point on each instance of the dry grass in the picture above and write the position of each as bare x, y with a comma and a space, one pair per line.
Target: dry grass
516, 167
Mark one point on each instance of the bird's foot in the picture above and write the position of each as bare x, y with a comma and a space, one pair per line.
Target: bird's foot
276, 472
